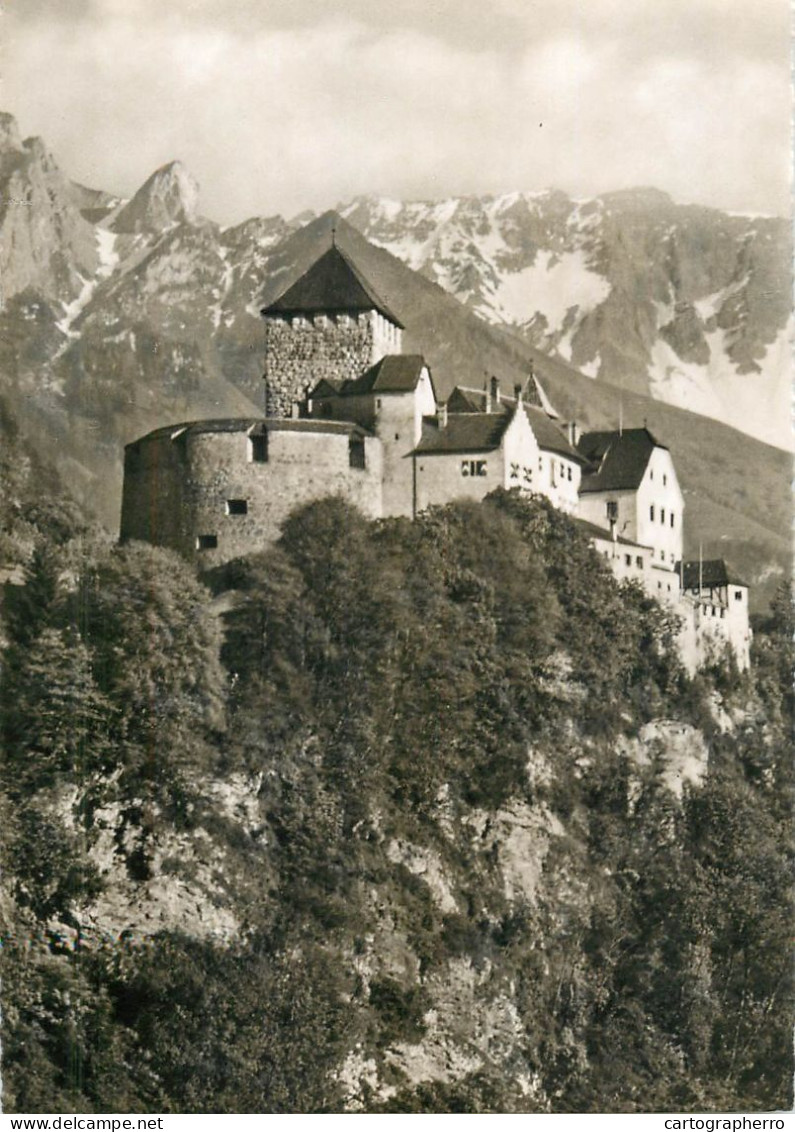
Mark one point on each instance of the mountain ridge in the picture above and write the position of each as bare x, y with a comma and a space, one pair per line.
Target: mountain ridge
683, 302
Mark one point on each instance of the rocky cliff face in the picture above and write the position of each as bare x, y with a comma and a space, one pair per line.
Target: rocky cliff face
687, 304
118, 316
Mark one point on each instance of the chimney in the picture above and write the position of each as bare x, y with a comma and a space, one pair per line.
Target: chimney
441, 414
495, 392
487, 395
574, 433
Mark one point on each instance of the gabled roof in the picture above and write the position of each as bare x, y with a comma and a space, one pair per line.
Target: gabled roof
464, 432
470, 429
549, 436
618, 459
394, 373
711, 574
333, 284
465, 399
327, 387
482, 432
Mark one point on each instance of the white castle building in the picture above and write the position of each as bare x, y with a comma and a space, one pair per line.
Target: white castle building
348, 413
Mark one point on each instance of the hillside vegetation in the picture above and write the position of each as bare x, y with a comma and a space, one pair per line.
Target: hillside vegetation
403, 817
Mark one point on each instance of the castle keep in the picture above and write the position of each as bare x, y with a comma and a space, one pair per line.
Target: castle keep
348, 413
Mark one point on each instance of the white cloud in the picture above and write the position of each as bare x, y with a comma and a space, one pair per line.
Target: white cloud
293, 111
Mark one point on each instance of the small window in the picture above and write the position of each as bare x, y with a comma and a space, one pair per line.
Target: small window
237, 507
207, 542
669, 587
356, 457
659, 585
540, 463
568, 474
665, 479
651, 474
258, 448
672, 518
612, 510
628, 559
651, 512
397, 436
738, 595
639, 562
662, 515
474, 468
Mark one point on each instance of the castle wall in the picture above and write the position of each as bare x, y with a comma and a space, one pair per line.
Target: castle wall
652, 516
592, 506
520, 455
737, 624
302, 349
660, 509
628, 562
153, 506
559, 481
445, 477
359, 409
206, 498
399, 427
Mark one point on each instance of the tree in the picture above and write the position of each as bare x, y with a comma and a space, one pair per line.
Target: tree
155, 650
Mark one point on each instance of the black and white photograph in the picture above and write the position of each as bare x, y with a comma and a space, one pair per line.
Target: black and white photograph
396, 607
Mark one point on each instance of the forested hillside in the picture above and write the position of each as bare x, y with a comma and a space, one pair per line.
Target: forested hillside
395, 817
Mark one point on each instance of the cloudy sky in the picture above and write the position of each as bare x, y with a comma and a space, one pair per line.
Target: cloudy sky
283, 105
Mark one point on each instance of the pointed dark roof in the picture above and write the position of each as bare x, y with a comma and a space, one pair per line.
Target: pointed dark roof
712, 574
394, 373
472, 402
464, 432
482, 432
549, 436
618, 459
333, 284
465, 399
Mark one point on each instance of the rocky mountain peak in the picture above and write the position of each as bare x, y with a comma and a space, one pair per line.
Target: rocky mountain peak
9, 133
169, 197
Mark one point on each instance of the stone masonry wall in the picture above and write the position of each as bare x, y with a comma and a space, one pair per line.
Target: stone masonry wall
153, 507
177, 493
300, 351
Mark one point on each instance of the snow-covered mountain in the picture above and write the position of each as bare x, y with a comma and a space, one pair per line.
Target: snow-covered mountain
689, 304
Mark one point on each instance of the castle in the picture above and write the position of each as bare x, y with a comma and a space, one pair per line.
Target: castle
348, 413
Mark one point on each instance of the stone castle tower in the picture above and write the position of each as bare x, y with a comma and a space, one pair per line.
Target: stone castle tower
330, 324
